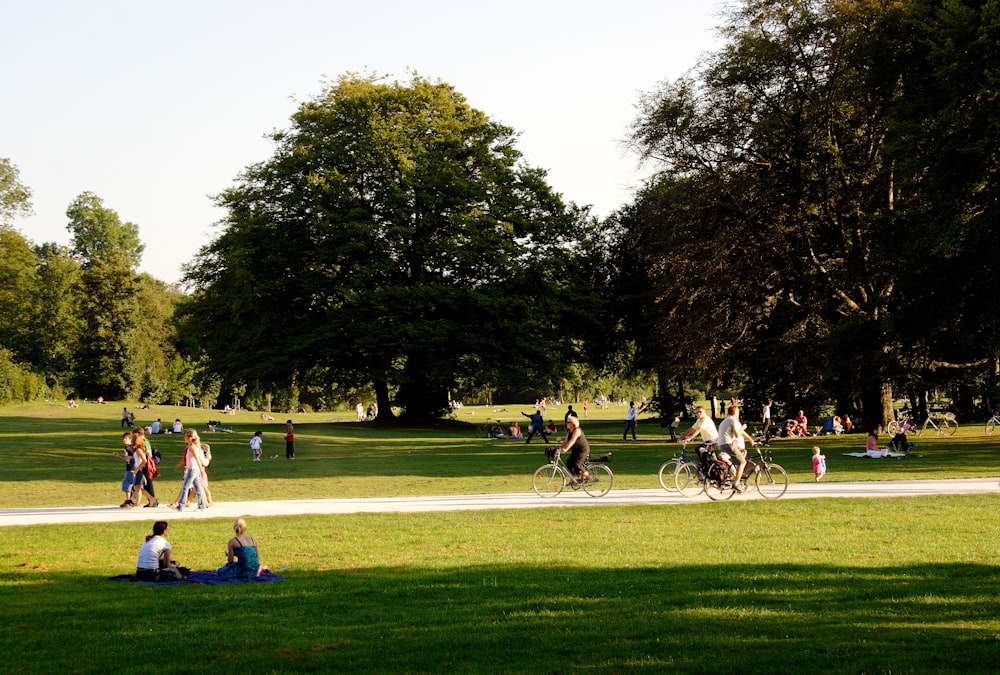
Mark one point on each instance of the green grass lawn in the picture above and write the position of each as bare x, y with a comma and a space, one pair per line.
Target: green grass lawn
903, 585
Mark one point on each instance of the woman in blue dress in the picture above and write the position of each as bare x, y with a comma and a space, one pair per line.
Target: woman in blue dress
243, 555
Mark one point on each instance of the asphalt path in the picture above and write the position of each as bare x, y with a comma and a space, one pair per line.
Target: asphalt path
519, 500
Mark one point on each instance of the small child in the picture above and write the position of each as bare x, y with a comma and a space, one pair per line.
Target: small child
819, 463
256, 444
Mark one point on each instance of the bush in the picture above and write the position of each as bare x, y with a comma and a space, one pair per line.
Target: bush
17, 383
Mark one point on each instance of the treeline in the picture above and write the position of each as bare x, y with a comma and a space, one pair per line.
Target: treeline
821, 230
823, 223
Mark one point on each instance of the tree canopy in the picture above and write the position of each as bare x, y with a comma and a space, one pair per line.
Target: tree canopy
806, 215
395, 239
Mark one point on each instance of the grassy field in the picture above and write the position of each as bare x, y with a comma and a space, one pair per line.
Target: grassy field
837, 586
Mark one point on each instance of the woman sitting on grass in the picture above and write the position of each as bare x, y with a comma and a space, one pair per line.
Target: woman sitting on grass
244, 561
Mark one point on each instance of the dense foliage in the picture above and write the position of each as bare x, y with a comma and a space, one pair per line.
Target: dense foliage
820, 229
819, 225
395, 240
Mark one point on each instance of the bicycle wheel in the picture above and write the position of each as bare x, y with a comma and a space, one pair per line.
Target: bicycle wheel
718, 489
892, 428
688, 479
948, 427
990, 426
549, 480
601, 478
666, 475
772, 481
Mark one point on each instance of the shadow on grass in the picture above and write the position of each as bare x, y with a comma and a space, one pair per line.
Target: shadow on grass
702, 618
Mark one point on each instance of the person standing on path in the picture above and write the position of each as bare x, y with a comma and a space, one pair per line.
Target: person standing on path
289, 440
193, 469
630, 421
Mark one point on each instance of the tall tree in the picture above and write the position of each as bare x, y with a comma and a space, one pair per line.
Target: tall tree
17, 281
395, 239
15, 196
108, 251
98, 232
56, 306
772, 213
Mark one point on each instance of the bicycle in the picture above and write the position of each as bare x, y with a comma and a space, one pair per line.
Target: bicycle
903, 424
490, 430
666, 473
550, 479
991, 425
947, 425
715, 475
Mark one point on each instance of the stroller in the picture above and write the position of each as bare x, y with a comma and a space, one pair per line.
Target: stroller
900, 444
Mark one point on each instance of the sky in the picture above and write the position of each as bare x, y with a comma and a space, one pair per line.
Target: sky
157, 107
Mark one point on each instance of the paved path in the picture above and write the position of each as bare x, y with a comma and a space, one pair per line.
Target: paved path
520, 500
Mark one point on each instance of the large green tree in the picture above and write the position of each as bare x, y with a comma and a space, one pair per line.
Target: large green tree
397, 240
108, 251
782, 223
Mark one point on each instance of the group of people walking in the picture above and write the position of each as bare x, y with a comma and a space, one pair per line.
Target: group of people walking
141, 468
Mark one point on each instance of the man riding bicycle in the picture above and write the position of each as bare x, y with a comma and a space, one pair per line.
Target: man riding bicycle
706, 426
702, 423
732, 437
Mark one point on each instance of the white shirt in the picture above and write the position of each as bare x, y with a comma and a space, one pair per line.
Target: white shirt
149, 554
729, 431
706, 426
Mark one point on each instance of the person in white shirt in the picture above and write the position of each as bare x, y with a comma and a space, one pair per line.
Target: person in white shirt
154, 563
630, 421
732, 439
702, 424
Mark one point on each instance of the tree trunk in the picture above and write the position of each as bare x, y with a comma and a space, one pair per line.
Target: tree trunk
876, 409
382, 402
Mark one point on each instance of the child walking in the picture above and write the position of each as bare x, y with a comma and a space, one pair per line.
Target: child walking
819, 463
256, 443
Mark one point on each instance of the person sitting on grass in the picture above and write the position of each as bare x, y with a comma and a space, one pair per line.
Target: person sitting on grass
243, 555
154, 562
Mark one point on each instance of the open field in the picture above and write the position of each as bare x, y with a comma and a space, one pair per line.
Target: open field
906, 585
53, 456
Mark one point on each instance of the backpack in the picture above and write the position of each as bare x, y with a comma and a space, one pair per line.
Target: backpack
206, 453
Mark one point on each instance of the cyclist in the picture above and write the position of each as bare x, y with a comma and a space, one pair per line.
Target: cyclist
704, 424
709, 434
579, 449
732, 437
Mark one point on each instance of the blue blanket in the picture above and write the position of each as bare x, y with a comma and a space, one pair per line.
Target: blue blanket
208, 577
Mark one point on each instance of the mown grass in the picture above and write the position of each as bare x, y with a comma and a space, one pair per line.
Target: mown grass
905, 585
54, 456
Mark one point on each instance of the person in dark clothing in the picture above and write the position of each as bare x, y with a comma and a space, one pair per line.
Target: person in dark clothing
536, 426
579, 449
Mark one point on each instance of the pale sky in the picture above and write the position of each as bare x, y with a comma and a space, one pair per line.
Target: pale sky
156, 107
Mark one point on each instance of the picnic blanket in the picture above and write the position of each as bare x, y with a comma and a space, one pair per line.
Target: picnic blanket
207, 577
894, 455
